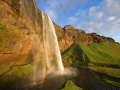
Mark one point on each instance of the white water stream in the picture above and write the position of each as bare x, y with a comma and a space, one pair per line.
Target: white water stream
52, 51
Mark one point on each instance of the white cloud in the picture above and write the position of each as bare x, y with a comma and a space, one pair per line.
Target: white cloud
99, 15
111, 18
53, 3
92, 10
90, 30
51, 13
112, 7
67, 5
72, 19
116, 23
90, 23
104, 17
99, 25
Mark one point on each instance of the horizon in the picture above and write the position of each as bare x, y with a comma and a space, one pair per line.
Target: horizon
99, 16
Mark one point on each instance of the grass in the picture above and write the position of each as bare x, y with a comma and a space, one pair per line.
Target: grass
2, 26
16, 71
16, 77
74, 55
109, 71
100, 53
3, 70
103, 59
110, 75
20, 70
93, 53
69, 85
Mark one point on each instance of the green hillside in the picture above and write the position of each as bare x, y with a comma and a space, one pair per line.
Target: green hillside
94, 53
69, 85
101, 59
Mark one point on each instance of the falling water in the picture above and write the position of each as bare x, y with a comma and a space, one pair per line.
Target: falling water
52, 51
47, 57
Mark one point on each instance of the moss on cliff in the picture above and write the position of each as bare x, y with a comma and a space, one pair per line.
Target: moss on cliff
8, 37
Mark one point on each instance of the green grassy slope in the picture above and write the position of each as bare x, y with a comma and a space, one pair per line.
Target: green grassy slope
69, 85
103, 53
94, 53
102, 60
74, 55
15, 77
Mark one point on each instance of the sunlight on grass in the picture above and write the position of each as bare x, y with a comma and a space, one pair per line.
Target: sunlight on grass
109, 71
69, 85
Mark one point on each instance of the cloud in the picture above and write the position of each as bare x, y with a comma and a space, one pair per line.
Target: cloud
49, 7
51, 13
67, 5
92, 10
99, 25
99, 15
112, 7
72, 20
111, 18
53, 3
103, 18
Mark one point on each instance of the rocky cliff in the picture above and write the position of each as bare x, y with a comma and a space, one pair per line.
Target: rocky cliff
69, 35
20, 30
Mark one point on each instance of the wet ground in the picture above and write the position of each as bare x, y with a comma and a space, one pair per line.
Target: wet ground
83, 79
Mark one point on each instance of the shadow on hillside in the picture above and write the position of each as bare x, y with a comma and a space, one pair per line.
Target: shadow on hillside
80, 55
12, 82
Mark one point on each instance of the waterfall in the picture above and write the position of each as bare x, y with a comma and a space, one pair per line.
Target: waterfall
52, 51
45, 50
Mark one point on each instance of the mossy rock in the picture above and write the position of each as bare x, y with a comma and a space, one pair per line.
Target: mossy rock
69, 85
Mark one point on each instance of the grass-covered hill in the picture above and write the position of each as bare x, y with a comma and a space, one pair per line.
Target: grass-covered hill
101, 59
93, 53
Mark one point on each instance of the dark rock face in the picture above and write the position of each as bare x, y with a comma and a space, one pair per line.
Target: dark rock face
15, 4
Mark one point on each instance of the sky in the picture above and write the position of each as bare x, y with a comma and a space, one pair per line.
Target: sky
99, 16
